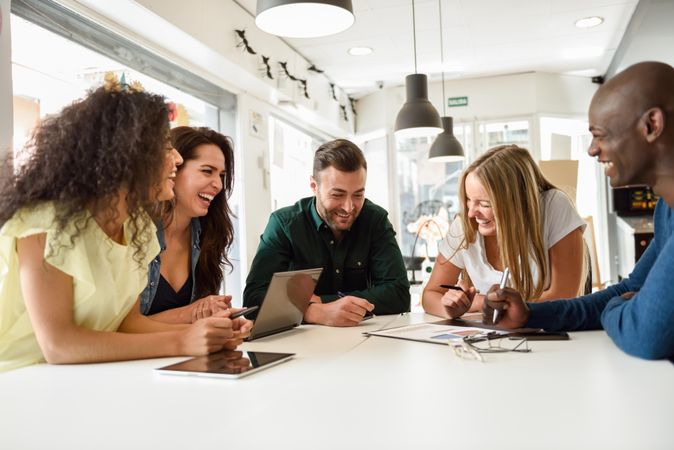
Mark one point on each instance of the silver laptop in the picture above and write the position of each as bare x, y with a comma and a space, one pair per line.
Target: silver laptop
285, 302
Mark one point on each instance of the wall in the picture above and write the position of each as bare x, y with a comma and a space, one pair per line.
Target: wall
649, 36
6, 120
254, 177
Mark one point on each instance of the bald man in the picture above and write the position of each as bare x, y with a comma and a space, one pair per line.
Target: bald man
634, 140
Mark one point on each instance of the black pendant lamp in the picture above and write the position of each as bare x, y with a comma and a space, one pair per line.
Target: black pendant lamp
417, 117
446, 147
304, 18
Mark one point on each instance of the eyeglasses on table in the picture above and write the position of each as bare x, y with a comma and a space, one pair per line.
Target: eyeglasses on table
472, 347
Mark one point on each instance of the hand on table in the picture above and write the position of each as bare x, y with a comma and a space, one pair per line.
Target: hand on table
347, 311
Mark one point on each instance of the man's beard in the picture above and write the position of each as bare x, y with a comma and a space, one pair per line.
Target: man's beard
327, 216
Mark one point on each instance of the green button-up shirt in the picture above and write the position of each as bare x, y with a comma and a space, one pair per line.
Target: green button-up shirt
365, 263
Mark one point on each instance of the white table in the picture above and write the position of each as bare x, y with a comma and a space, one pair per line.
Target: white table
346, 391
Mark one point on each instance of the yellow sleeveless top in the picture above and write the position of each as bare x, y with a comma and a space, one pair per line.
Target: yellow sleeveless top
106, 279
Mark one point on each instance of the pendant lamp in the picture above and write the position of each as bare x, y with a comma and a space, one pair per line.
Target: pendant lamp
304, 18
417, 117
446, 147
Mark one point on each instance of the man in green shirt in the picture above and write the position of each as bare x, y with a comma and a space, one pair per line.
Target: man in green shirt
339, 230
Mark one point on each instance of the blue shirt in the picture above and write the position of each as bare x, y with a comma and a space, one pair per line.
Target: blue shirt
148, 294
642, 326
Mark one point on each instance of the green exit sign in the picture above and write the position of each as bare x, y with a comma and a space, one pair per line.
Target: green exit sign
457, 101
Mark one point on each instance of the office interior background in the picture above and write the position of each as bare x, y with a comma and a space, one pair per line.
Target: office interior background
515, 71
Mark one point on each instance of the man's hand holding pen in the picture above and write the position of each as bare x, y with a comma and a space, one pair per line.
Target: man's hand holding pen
346, 311
512, 310
458, 299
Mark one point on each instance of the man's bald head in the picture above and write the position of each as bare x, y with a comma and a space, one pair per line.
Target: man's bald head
636, 89
628, 121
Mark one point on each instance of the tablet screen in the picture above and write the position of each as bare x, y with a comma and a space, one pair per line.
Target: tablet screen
226, 364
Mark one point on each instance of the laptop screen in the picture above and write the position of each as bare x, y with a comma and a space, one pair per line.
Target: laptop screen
287, 298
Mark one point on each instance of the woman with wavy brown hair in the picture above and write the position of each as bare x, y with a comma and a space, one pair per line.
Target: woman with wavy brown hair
76, 237
511, 217
184, 280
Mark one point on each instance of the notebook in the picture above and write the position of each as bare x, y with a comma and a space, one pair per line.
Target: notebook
287, 298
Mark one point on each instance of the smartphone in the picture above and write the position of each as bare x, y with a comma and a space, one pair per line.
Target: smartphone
243, 312
541, 336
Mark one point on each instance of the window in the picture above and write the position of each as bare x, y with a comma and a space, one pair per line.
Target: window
428, 191
492, 134
377, 184
51, 75
291, 162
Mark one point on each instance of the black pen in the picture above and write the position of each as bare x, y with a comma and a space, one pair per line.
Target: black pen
243, 312
452, 287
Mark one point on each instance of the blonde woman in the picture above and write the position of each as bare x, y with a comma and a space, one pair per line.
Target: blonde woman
511, 217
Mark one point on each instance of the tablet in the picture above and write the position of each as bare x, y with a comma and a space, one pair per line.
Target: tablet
226, 364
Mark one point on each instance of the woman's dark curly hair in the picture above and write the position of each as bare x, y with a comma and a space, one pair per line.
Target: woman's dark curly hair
217, 231
82, 157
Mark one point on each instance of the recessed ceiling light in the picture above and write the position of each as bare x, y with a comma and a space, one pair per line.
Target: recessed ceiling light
589, 22
359, 51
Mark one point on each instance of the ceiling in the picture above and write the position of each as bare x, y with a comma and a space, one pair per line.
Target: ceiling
481, 38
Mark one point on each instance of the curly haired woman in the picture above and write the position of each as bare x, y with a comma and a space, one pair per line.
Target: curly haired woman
76, 238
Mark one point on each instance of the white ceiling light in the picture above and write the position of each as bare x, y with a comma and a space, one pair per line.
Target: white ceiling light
302, 18
589, 22
360, 51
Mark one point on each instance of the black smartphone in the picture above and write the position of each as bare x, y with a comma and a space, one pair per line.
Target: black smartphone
541, 336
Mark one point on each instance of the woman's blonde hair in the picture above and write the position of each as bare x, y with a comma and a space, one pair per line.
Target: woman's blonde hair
514, 184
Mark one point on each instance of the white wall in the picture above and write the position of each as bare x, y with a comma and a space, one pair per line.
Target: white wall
6, 116
649, 37
254, 178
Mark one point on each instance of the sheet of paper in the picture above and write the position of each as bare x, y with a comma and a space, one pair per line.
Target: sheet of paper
431, 332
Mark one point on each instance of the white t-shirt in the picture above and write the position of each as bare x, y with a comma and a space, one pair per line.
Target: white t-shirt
559, 219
